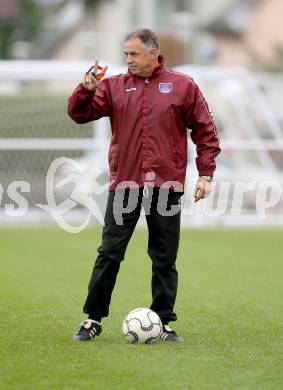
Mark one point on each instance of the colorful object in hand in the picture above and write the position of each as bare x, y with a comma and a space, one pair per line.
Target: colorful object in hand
98, 76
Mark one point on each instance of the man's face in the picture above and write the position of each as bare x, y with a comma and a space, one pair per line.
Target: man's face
140, 60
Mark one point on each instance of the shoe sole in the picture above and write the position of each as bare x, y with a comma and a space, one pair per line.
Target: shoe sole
172, 340
78, 339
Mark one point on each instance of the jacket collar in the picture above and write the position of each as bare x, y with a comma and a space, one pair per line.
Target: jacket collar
156, 70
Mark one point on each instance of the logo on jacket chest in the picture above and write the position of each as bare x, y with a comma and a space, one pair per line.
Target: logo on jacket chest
165, 87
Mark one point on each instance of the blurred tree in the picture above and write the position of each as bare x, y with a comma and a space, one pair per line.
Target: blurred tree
21, 24
33, 16
9, 17
6, 31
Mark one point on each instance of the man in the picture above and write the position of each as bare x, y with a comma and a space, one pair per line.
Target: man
150, 109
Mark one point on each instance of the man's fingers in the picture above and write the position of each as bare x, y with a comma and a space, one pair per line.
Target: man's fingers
202, 189
101, 74
88, 78
93, 76
95, 67
199, 190
98, 71
199, 194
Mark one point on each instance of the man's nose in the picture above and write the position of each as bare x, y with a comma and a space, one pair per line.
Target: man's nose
129, 60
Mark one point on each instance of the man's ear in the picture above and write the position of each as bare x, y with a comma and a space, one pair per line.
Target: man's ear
154, 52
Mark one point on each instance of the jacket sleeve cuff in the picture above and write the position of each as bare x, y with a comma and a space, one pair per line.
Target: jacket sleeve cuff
206, 173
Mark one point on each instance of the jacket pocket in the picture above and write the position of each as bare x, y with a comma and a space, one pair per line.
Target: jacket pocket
173, 150
178, 152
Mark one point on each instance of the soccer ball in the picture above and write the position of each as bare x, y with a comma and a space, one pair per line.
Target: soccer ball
142, 326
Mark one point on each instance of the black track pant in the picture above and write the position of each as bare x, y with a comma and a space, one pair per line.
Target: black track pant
164, 233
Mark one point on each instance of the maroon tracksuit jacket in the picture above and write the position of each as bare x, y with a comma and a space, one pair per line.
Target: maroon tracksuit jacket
149, 118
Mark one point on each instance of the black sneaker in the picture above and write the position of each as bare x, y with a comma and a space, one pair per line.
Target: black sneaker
88, 330
169, 334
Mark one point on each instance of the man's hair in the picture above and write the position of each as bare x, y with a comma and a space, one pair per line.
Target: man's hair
147, 36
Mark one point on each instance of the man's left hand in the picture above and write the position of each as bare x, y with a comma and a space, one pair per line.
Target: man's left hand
202, 189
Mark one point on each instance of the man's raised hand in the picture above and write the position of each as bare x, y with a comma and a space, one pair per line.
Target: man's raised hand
93, 76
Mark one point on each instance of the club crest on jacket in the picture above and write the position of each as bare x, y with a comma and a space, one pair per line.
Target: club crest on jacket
165, 87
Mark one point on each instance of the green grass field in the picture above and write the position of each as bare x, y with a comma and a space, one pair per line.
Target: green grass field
230, 307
